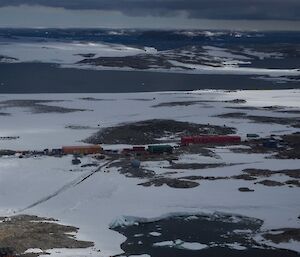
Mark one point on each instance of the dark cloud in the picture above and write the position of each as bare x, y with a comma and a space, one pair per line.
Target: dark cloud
202, 9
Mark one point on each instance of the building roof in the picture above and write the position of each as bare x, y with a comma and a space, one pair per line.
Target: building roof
82, 147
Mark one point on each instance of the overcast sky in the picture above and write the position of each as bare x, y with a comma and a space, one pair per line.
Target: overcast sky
165, 14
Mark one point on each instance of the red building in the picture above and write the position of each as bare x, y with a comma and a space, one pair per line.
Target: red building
210, 139
85, 149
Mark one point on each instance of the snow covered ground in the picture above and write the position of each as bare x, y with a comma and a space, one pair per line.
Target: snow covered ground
49, 130
93, 205
62, 52
231, 67
194, 60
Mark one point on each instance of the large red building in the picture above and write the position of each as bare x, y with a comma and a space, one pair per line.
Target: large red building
85, 149
210, 139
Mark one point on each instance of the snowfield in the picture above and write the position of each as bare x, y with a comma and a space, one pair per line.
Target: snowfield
63, 52
52, 187
70, 54
49, 130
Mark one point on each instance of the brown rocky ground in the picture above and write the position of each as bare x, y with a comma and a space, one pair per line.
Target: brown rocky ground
23, 232
154, 179
150, 131
171, 182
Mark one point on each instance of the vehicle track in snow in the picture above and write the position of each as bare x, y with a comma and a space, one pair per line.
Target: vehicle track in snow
77, 181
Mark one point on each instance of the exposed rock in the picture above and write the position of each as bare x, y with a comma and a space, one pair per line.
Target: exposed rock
293, 183
195, 166
270, 183
150, 131
245, 189
38, 106
4, 114
24, 232
267, 173
171, 182
294, 122
283, 235
236, 101
244, 177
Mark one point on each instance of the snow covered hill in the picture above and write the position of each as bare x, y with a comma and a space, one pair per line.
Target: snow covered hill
53, 187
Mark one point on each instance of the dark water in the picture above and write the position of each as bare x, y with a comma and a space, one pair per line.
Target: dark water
160, 39
215, 232
49, 78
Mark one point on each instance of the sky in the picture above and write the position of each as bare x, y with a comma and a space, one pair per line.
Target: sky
158, 14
